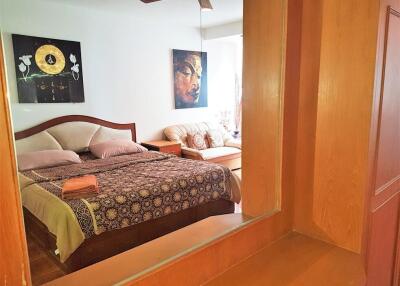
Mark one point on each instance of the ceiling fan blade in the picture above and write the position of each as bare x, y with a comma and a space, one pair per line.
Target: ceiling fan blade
205, 5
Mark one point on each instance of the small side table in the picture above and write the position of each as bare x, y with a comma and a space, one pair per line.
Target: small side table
170, 147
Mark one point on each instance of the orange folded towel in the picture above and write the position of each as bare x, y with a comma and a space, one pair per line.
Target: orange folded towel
81, 187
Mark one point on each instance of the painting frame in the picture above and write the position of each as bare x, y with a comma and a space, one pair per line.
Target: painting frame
48, 70
190, 79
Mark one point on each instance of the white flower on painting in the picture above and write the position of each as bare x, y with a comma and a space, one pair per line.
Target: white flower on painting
72, 58
22, 68
75, 68
24, 65
26, 59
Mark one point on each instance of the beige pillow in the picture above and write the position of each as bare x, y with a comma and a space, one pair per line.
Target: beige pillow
215, 138
115, 148
197, 141
45, 159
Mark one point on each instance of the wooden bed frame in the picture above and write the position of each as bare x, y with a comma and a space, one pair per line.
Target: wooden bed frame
105, 245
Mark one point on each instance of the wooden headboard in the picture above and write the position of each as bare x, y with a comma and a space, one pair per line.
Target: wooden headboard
71, 132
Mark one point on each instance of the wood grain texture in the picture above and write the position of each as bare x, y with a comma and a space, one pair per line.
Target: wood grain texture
307, 114
164, 146
290, 108
383, 243
312, 262
335, 190
14, 266
263, 92
382, 247
388, 152
161, 143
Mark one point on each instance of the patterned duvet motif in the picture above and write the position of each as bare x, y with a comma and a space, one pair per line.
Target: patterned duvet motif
136, 188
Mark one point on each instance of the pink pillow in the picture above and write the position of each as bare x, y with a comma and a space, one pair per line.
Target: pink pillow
46, 159
115, 147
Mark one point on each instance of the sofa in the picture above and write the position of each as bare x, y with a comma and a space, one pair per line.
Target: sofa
228, 155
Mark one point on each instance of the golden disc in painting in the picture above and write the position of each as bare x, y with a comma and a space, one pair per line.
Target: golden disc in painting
50, 59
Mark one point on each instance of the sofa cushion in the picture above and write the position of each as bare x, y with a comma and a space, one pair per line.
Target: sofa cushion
180, 132
237, 143
212, 153
215, 138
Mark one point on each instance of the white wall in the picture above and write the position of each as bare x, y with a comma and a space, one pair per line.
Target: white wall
221, 81
127, 63
224, 30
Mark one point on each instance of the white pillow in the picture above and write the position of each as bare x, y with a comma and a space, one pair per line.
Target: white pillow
45, 159
215, 138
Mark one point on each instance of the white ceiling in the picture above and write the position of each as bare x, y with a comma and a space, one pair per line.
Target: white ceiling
185, 12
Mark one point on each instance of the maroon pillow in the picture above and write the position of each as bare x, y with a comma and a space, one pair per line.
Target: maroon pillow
197, 141
46, 159
115, 147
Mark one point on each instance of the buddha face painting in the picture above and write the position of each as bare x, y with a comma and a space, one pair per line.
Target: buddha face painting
190, 82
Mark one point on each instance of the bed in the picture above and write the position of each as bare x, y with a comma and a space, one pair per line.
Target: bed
142, 196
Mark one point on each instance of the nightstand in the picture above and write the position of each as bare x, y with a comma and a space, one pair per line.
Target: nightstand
164, 146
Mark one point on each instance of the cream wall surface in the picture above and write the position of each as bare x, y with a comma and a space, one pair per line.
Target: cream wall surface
127, 62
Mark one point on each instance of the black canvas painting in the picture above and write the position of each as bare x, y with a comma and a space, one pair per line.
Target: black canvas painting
48, 70
190, 79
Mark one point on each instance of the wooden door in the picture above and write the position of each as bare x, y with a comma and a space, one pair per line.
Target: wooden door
385, 183
14, 268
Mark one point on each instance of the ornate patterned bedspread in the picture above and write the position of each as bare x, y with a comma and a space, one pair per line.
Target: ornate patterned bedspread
136, 188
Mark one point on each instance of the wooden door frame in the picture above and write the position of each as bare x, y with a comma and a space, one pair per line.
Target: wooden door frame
263, 231
379, 199
14, 262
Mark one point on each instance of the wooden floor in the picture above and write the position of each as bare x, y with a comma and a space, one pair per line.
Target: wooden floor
43, 268
296, 260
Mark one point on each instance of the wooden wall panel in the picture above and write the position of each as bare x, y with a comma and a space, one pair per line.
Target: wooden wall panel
263, 79
388, 151
307, 114
14, 268
335, 187
383, 243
